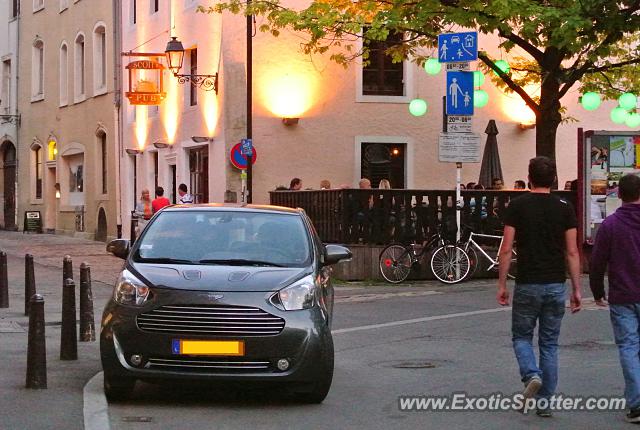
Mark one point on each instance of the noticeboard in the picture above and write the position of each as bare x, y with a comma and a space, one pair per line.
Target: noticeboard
606, 157
32, 222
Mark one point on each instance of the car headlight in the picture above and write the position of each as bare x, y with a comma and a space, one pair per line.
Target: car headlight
130, 290
300, 295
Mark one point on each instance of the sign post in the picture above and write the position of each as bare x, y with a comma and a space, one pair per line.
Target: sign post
457, 142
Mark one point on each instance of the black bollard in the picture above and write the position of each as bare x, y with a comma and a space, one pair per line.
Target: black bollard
29, 282
68, 338
87, 325
37, 347
67, 268
4, 281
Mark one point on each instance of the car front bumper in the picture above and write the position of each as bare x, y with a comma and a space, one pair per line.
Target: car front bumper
305, 341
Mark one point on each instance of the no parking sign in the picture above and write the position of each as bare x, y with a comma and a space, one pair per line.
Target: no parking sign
239, 160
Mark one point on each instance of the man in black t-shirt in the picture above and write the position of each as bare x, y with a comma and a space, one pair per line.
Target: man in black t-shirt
544, 228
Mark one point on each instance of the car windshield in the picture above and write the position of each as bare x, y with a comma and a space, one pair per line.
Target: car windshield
225, 238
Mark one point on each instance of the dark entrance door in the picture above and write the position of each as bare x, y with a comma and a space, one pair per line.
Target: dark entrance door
199, 174
9, 169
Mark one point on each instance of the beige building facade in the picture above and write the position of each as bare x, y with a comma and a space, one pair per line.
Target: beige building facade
67, 153
341, 124
9, 114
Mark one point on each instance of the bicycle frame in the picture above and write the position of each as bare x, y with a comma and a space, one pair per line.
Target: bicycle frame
470, 241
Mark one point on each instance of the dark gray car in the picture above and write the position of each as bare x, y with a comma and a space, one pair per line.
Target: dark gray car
226, 293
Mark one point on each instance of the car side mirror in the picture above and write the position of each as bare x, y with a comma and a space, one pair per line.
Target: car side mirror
336, 253
119, 248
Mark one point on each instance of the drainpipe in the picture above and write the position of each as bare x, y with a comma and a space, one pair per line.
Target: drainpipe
117, 95
17, 112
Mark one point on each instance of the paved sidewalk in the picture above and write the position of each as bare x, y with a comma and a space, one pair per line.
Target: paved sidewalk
59, 406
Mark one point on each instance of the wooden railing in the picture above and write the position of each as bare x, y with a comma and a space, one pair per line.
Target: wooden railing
380, 217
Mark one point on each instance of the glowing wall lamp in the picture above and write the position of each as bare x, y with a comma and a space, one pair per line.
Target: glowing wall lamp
175, 56
133, 151
57, 187
527, 125
290, 121
161, 145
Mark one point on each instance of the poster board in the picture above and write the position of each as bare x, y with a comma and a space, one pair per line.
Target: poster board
32, 222
607, 157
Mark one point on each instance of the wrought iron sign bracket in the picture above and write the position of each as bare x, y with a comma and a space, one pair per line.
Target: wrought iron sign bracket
204, 82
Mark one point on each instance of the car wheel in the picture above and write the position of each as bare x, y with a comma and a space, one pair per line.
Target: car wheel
317, 391
118, 388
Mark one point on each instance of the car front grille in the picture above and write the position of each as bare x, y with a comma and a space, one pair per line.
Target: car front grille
207, 365
216, 320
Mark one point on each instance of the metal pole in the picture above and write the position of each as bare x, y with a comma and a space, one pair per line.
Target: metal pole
67, 268
87, 324
29, 282
4, 281
37, 347
458, 199
249, 103
68, 338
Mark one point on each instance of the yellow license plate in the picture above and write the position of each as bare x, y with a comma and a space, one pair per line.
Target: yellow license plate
208, 347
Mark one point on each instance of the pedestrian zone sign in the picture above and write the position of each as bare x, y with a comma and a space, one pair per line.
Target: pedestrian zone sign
459, 93
458, 47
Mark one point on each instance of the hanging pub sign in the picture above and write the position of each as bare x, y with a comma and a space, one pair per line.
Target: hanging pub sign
145, 82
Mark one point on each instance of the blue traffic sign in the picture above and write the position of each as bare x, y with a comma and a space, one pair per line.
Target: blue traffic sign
458, 47
459, 93
247, 147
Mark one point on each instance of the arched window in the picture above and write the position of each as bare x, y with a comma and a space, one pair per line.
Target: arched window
99, 59
37, 170
37, 69
79, 78
102, 147
64, 74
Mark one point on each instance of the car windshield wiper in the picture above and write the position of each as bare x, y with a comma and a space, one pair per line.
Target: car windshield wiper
164, 260
239, 262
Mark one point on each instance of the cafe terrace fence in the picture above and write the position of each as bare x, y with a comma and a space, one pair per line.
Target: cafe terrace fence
368, 220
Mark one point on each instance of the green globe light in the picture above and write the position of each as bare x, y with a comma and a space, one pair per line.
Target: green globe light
590, 101
627, 101
619, 115
478, 78
417, 107
432, 66
633, 120
503, 66
480, 98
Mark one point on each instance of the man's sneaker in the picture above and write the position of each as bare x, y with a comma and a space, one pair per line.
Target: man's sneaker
546, 413
633, 416
532, 386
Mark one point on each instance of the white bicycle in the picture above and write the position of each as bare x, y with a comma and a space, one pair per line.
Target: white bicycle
474, 250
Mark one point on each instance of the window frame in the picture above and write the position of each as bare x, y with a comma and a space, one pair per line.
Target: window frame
37, 73
63, 78
5, 85
100, 59
79, 69
38, 5
193, 70
408, 80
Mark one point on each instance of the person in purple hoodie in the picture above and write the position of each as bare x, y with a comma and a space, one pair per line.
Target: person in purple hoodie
618, 247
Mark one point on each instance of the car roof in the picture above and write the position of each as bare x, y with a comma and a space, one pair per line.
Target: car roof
233, 207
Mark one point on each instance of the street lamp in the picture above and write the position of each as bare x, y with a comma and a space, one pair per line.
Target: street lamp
175, 57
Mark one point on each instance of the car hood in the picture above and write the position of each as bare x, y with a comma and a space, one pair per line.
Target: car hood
219, 277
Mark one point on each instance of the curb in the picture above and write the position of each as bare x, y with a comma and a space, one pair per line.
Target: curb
95, 408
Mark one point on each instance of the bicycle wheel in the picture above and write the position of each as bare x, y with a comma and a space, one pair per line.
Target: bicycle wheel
395, 263
513, 268
473, 261
450, 264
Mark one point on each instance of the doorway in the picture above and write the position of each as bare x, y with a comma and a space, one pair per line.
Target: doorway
199, 174
9, 184
172, 186
101, 231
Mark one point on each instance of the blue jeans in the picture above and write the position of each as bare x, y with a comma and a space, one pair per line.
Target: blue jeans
532, 303
625, 320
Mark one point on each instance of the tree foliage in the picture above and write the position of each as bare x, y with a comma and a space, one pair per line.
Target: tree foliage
592, 45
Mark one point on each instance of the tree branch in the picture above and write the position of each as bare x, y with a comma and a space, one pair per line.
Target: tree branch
535, 107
